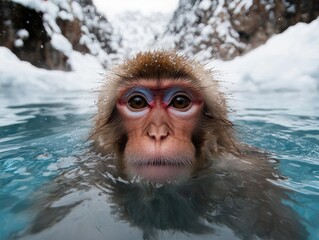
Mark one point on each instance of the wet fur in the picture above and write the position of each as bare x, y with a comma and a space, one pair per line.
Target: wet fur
214, 133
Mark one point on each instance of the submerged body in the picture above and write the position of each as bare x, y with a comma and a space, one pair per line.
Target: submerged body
223, 201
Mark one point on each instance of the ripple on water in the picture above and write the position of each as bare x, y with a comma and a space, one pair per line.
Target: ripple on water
39, 141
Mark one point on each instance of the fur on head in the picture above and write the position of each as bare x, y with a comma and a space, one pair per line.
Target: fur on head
214, 132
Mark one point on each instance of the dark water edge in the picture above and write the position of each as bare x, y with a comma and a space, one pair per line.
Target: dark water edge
50, 141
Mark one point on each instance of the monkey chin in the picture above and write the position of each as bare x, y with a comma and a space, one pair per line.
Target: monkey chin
159, 169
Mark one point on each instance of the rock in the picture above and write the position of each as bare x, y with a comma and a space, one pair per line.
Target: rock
29, 31
35, 47
229, 28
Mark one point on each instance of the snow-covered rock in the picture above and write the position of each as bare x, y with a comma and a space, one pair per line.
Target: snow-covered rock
46, 32
225, 29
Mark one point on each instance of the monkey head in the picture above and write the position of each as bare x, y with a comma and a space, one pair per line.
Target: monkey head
162, 116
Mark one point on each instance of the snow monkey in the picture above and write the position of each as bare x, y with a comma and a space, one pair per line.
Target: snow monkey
163, 117
163, 120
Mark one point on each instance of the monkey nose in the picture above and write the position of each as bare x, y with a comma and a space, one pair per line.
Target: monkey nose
158, 133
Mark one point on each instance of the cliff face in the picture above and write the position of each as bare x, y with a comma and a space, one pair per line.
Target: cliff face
225, 29
46, 32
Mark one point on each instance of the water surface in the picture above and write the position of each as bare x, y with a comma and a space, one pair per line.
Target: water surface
41, 143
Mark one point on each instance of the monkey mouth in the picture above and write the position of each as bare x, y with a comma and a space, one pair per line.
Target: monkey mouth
159, 163
160, 169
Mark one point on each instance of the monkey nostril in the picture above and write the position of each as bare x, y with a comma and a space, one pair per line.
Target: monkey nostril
163, 135
158, 135
151, 135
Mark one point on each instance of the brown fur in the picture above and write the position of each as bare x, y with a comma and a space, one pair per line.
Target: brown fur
214, 131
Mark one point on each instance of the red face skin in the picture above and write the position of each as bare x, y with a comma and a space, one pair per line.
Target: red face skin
159, 118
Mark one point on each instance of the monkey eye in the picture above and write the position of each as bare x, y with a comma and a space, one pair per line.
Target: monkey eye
137, 102
181, 102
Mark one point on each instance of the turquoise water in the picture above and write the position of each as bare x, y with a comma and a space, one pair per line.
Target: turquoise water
39, 143
287, 125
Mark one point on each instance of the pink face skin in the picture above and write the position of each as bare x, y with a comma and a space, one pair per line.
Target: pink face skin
159, 118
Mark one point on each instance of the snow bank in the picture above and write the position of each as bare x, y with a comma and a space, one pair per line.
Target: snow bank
22, 84
19, 80
22, 76
286, 62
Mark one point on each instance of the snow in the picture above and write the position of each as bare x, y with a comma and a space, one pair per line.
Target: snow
286, 62
36, 4
77, 10
21, 83
113, 8
23, 34
18, 43
25, 82
66, 16
51, 23
59, 42
49, 7
205, 5
67, 10
137, 34
187, 24
242, 4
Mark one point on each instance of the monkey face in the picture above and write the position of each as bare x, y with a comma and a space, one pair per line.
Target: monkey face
159, 118
162, 116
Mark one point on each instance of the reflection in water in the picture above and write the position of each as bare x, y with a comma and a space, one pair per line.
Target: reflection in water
224, 200
88, 200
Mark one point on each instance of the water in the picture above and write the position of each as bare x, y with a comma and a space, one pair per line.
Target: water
44, 154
